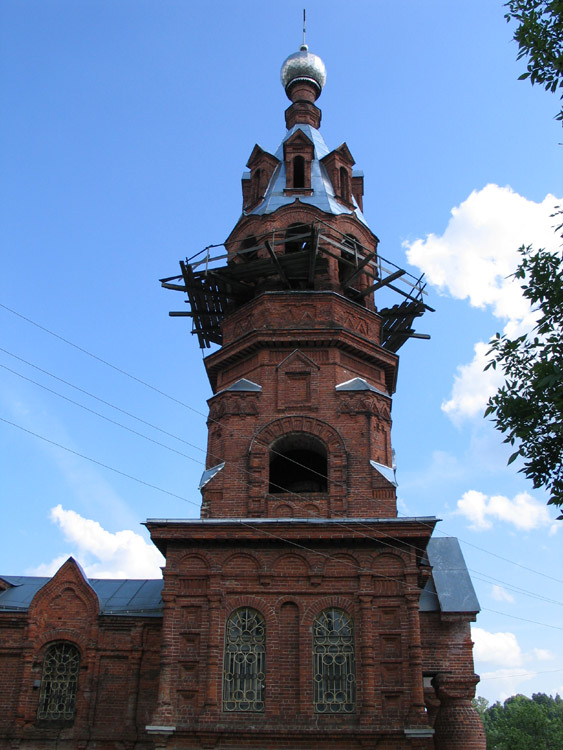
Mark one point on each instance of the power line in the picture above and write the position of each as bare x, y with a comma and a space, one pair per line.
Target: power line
248, 523
172, 398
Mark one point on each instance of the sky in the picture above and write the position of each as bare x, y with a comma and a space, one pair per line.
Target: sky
125, 131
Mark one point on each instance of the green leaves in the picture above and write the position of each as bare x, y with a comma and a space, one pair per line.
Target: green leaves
522, 723
540, 39
528, 408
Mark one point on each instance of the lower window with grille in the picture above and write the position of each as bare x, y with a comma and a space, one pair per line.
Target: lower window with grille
244, 666
59, 683
334, 663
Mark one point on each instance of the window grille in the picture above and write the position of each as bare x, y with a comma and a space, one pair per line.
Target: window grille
334, 663
59, 683
245, 661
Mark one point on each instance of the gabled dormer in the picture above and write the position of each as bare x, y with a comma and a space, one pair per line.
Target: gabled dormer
254, 183
298, 154
339, 165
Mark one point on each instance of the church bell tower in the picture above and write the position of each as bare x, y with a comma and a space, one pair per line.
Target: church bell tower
299, 610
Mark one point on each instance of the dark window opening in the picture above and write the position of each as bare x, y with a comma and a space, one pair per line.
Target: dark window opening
344, 184
299, 172
256, 181
350, 250
298, 463
248, 249
297, 237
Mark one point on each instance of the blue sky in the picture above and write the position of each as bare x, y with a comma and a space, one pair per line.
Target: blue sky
126, 129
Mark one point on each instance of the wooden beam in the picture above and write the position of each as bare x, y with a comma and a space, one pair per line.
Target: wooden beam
384, 282
277, 264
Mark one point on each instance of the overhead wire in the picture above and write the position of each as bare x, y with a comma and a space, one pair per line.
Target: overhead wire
142, 382
254, 527
184, 455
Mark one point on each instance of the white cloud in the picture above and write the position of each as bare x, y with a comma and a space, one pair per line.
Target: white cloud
542, 654
497, 649
474, 259
123, 554
472, 386
500, 594
524, 511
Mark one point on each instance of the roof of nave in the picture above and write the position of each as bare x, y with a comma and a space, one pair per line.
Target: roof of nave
449, 590
117, 597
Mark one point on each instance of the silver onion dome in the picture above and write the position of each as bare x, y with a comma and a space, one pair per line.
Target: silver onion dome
303, 65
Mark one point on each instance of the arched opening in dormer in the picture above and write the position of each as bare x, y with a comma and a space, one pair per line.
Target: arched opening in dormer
297, 237
256, 192
344, 184
298, 172
298, 464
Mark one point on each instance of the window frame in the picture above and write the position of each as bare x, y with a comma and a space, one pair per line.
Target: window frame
244, 690
59, 687
334, 663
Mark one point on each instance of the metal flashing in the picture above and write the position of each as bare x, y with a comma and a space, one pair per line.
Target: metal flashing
208, 475
386, 471
359, 384
242, 385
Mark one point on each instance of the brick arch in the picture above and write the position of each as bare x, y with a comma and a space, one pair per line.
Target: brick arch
61, 635
248, 556
336, 453
338, 601
293, 560
202, 558
243, 600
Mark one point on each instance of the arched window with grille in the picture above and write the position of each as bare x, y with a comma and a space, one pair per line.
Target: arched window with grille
59, 683
244, 665
334, 663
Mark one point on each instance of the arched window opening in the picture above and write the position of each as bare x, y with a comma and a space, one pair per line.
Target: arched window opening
297, 237
256, 184
59, 683
298, 463
244, 667
298, 172
344, 184
248, 248
334, 663
349, 253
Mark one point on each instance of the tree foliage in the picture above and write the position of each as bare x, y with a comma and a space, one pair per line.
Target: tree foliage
522, 723
540, 39
528, 408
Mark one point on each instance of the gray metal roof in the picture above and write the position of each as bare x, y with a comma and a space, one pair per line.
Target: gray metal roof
242, 385
116, 596
359, 384
323, 192
450, 588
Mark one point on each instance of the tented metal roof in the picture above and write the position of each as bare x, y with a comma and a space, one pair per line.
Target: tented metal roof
323, 196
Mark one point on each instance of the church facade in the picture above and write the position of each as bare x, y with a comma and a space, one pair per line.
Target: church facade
300, 610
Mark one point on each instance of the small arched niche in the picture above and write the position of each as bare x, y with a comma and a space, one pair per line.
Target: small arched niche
298, 464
